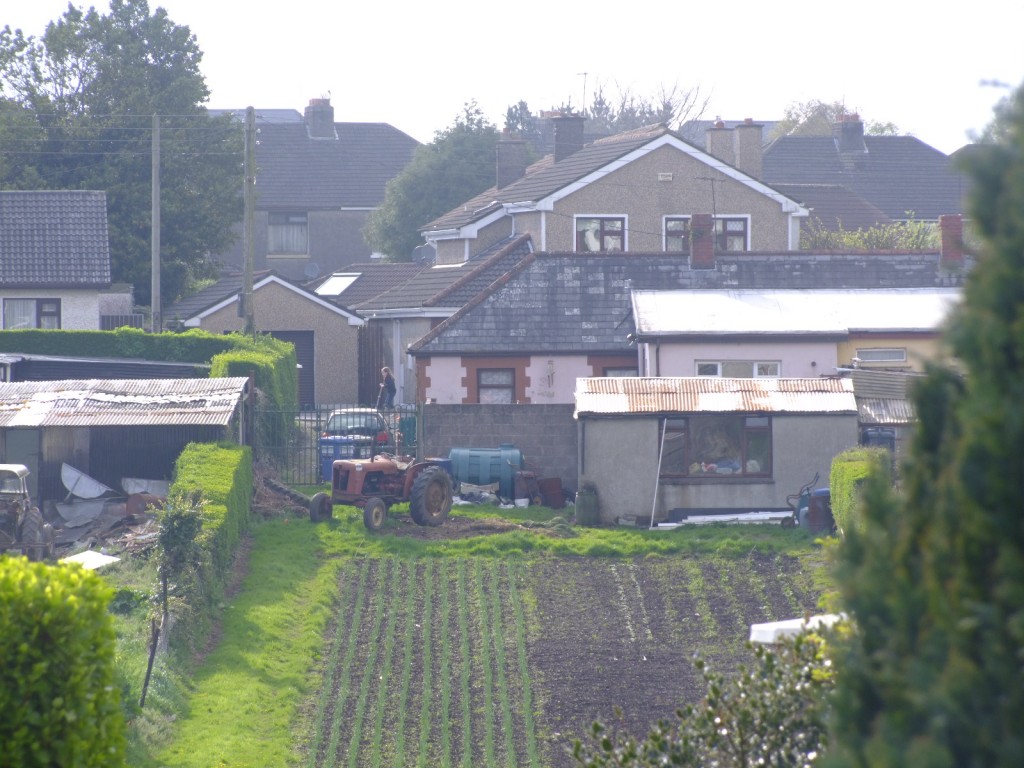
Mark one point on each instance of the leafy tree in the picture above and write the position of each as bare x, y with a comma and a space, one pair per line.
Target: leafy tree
457, 165
815, 118
899, 235
773, 714
934, 579
76, 109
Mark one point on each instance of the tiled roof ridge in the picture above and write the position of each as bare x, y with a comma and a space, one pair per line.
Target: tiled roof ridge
436, 299
651, 129
503, 279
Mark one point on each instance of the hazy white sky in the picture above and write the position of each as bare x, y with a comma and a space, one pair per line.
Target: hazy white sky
917, 63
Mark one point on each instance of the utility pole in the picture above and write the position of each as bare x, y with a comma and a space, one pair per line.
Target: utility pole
249, 197
155, 226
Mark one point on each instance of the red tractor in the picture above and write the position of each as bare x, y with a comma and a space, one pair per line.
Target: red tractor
375, 484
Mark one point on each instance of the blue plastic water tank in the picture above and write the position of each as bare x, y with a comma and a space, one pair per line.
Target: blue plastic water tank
483, 466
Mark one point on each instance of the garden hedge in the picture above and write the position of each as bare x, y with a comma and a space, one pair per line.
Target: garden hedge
848, 471
59, 702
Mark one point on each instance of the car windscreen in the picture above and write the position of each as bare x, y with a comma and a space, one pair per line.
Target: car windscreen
353, 424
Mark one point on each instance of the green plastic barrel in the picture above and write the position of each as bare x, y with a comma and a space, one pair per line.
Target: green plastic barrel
483, 466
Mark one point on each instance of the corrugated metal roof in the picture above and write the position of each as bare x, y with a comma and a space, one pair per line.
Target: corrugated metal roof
127, 402
638, 395
808, 311
884, 410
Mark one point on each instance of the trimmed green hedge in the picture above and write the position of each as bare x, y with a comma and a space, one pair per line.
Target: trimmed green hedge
848, 471
223, 475
271, 361
59, 701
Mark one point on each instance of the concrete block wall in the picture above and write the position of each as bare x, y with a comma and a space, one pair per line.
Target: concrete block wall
544, 434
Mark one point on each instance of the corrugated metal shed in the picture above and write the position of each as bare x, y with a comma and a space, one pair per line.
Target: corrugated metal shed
705, 394
805, 311
120, 402
877, 411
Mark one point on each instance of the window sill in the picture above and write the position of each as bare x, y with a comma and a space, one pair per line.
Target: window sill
713, 479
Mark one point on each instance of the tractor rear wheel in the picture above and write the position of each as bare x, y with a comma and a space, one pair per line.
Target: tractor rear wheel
375, 512
36, 536
320, 508
431, 497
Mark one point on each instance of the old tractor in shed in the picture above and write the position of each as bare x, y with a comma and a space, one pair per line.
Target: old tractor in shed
374, 485
22, 527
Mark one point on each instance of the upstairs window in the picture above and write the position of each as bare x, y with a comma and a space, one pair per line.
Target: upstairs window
882, 355
677, 235
731, 234
287, 234
739, 369
31, 313
596, 234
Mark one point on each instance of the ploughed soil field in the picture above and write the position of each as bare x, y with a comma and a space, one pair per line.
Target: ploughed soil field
479, 661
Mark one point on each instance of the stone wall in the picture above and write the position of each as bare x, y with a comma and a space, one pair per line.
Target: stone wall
544, 434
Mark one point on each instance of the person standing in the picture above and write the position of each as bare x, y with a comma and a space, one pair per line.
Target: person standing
386, 399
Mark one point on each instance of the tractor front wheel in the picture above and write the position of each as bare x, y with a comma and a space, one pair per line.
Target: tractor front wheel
375, 512
36, 536
431, 497
320, 508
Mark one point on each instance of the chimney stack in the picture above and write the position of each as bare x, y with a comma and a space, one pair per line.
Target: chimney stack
848, 134
568, 135
510, 163
702, 241
951, 229
747, 148
320, 119
718, 142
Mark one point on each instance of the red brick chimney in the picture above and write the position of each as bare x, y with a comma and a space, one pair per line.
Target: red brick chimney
320, 119
568, 135
951, 229
510, 154
702, 241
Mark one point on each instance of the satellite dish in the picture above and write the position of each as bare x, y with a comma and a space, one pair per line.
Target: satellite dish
311, 270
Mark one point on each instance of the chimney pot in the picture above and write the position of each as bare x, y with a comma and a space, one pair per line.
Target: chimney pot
319, 117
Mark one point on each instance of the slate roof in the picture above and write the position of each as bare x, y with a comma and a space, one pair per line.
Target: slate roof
573, 303
54, 239
227, 285
373, 280
453, 285
835, 206
546, 177
895, 173
297, 172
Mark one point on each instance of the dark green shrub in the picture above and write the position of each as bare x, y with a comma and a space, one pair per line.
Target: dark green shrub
59, 701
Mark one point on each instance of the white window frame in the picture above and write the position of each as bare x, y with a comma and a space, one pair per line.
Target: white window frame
882, 355
619, 217
755, 365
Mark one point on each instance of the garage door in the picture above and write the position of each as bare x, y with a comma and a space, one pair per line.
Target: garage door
303, 341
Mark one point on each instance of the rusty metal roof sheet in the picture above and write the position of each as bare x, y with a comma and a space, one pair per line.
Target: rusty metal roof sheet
705, 394
884, 410
126, 402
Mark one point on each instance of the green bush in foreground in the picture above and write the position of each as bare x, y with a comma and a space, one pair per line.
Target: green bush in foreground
59, 702
773, 714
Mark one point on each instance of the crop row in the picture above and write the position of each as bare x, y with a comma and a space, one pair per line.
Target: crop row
427, 666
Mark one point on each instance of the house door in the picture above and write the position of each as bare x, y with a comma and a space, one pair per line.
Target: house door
303, 341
